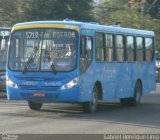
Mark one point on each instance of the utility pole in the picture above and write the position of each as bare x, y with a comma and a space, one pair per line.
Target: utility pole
1, 10
158, 11
142, 4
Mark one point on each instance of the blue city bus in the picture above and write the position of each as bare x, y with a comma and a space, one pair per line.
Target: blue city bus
78, 62
4, 37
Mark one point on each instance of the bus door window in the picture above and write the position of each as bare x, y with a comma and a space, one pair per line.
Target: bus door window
85, 52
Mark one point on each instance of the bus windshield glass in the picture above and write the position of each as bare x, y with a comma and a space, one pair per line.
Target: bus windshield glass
43, 50
4, 37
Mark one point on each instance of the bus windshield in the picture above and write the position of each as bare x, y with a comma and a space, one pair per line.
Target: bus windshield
43, 50
4, 37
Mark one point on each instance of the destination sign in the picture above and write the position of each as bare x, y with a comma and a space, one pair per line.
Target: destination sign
4, 33
51, 35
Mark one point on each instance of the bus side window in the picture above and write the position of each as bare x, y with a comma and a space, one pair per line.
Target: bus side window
100, 46
120, 48
149, 49
130, 48
109, 51
139, 49
85, 52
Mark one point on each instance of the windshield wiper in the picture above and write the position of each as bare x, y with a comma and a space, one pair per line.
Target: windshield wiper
30, 59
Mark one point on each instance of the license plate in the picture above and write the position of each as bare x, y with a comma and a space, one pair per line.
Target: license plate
39, 94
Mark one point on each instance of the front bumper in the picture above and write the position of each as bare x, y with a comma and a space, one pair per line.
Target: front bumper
41, 95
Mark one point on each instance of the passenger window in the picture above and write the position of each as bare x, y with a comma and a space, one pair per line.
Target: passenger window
130, 48
119, 48
99, 47
149, 49
109, 51
139, 49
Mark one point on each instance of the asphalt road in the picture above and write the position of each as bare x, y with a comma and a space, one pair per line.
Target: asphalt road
17, 118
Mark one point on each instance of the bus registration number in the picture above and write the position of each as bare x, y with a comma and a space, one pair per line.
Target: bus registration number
39, 94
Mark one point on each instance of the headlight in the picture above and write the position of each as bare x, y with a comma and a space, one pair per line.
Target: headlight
10, 83
70, 84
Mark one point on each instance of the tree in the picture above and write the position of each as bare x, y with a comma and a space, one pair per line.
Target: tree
154, 8
14, 11
8, 11
120, 11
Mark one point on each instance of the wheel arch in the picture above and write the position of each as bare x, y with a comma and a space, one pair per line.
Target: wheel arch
100, 89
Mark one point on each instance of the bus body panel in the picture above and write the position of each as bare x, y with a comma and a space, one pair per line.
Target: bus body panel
118, 80
44, 87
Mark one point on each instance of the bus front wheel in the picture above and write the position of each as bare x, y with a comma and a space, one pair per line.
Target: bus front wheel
91, 106
34, 106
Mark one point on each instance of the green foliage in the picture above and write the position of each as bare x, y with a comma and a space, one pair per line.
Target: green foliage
13, 11
8, 12
154, 8
113, 11
110, 12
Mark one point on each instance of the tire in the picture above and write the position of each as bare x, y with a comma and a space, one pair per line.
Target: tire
137, 94
133, 101
34, 106
124, 101
91, 106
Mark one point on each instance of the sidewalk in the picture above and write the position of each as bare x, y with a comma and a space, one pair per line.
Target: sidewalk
158, 87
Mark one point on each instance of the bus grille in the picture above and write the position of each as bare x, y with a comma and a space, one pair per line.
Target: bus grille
39, 88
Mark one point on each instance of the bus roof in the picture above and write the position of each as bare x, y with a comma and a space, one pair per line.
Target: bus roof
86, 25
